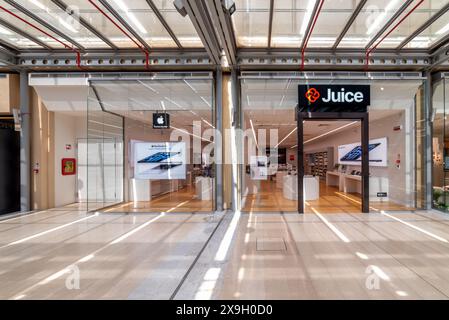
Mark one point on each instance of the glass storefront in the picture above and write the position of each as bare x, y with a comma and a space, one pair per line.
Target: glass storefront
135, 166
440, 145
396, 134
150, 143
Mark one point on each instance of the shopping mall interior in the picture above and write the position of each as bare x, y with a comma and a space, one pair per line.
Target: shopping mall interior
204, 150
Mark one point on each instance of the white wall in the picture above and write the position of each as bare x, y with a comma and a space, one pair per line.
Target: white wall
65, 186
68, 129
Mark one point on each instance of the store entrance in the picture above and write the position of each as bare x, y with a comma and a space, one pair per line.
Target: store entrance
323, 175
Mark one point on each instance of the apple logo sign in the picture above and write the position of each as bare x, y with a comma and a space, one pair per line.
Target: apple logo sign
160, 120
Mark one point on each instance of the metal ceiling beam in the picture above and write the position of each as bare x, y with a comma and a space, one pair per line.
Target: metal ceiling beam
124, 23
270, 22
84, 23
42, 22
349, 23
8, 52
116, 60
309, 25
440, 58
205, 29
257, 59
439, 44
164, 23
222, 22
24, 34
424, 26
389, 23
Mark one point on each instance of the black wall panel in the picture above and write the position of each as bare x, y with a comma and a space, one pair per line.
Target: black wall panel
9, 168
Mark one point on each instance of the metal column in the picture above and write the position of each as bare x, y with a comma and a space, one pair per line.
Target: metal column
235, 123
300, 161
219, 128
428, 140
25, 166
365, 161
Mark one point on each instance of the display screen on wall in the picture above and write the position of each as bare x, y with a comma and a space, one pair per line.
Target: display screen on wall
351, 154
159, 160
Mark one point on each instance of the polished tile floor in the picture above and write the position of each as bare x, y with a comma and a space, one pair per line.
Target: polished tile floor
65, 253
270, 198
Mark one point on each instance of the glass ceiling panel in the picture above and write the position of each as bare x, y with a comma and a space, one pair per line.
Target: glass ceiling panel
374, 15
138, 14
62, 21
28, 29
182, 26
16, 40
423, 13
290, 20
411, 23
330, 23
97, 20
431, 35
251, 22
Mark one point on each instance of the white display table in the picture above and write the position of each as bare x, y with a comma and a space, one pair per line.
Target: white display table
204, 187
280, 179
353, 184
145, 190
311, 187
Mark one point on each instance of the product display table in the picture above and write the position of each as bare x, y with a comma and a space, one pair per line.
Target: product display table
280, 179
311, 187
353, 184
204, 187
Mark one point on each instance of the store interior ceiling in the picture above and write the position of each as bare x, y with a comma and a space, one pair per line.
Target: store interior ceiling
284, 121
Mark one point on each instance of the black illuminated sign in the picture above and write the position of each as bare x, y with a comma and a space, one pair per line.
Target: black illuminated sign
161, 121
333, 98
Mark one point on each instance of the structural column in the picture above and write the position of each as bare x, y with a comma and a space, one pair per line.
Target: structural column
428, 142
25, 161
219, 145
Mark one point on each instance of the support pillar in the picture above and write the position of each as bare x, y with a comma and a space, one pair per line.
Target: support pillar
25, 146
219, 145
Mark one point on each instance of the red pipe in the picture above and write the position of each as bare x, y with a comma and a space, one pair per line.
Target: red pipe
144, 50
315, 18
389, 32
78, 55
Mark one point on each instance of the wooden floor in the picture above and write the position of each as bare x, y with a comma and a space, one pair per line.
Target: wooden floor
331, 201
65, 253
184, 200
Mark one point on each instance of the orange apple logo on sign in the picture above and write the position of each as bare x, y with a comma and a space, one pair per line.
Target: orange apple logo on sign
312, 95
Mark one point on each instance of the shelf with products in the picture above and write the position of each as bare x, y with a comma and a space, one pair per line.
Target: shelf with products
317, 163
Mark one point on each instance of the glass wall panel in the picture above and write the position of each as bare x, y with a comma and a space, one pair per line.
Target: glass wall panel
164, 169
440, 146
104, 155
396, 133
